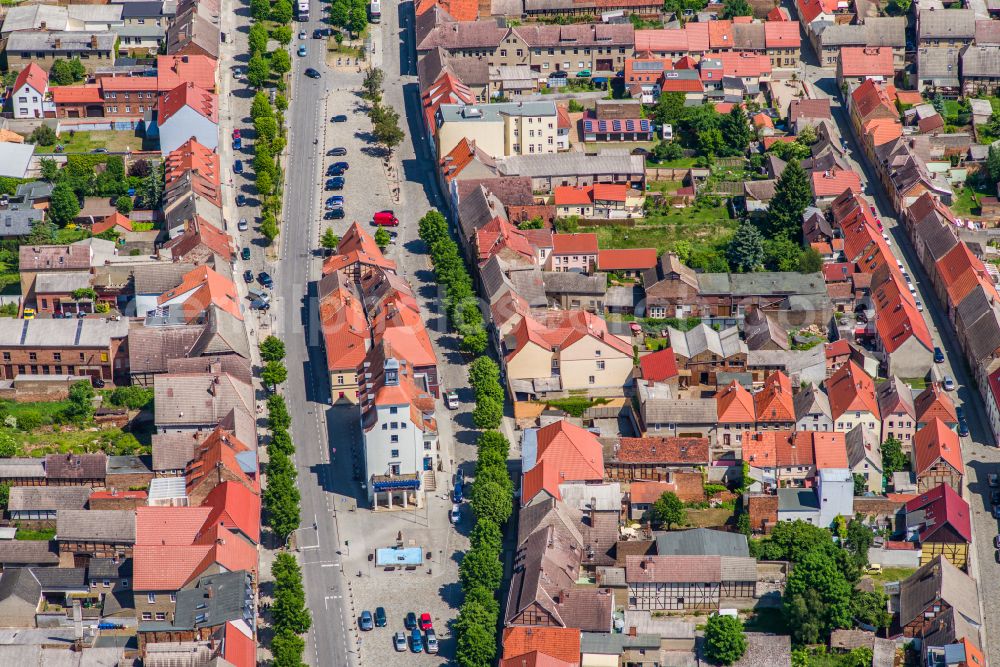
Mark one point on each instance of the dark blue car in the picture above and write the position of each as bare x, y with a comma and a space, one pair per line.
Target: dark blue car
938, 356
456, 494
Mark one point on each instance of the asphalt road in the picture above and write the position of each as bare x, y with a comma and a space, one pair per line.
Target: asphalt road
978, 449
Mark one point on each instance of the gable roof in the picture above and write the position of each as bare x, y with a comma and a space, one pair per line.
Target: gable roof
560, 643
938, 579
774, 402
851, 390
934, 442
933, 402
866, 61
187, 94
893, 396
735, 404
176, 70
658, 366
701, 542
940, 507
202, 287
575, 451
34, 76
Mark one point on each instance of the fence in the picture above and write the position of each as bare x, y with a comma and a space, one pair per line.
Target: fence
666, 174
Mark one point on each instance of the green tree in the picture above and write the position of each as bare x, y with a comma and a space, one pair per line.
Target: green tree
387, 130
358, 19
287, 648
81, 402
77, 70
60, 73
792, 194
746, 249
42, 232
50, 169
269, 226
257, 71
474, 340
263, 159
272, 348
818, 581
257, 40
735, 127
283, 35
281, 62
860, 484
281, 11
782, 254
274, 373
264, 184
489, 501
4, 495
133, 397
534, 223
382, 238
63, 205
329, 240
493, 441
669, 109
480, 567
432, 227
372, 85
289, 610
260, 10
8, 446
483, 373
733, 8
893, 458
743, 524
280, 439
669, 510
725, 642
859, 540
710, 142
266, 127
810, 261
484, 597
124, 204
261, 106
278, 418
486, 535
281, 497
871, 608
43, 135
151, 188
488, 412
340, 13
665, 151
476, 630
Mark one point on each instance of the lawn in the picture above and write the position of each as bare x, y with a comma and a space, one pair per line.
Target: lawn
709, 518
890, 574
965, 203
43, 534
46, 411
679, 163
916, 383
85, 141
950, 108
10, 279
665, 186
699, 225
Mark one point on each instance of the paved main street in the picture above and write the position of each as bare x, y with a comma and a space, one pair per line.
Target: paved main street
979, 449
328, 439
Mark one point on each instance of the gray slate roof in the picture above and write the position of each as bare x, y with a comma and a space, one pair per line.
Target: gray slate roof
981, 61
214, 600
571, 164
63, 333
48, 498
701, 542
948, 24
28, 552
570, 282
938, 578
938, 65
96, 526
17, 220
68, 42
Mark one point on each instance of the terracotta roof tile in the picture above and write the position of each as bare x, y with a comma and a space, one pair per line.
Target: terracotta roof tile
576, 452
668, 450
866, 61
835, 181
561, 643
781, 34
774, 403
658, 366
830, 450
934, 403
187, 94
735, 405
934, 442
76, 94
563, 244
174, 70
626, 259
851, 390
34, 76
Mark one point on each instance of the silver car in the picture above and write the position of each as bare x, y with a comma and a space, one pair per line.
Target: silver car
399, 641
432, 642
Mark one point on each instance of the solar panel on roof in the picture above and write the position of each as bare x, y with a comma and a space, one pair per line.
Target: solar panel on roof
647, 65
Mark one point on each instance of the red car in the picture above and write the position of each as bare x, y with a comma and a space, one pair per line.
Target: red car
385, 219
425, 622
236, 133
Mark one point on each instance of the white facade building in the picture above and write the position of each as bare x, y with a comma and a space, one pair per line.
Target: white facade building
30, 89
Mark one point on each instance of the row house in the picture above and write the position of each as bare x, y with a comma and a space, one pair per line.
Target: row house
702, 352
86, 534
499, 129
737, 415
980, 70
562, 454
89, 348
688, 583
812, 410
188, 112
954, 28
939, 600
884, 32
851, 392
899, 415
788, 458
934, 403
774, 405
937, 457
939, 522
858, 64
96, 50
654, 458
29, 97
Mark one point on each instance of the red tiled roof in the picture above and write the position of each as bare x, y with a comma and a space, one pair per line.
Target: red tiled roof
961, 272
837, 348
667, 40
670, 450
851, 390
345, 330
770, 141
76, 94
543, 477
575, 451
781, 34
734, 404
573, 195
698, 36
157, 567
805, 108
872, 96
116, 219
610, 192
199, 162
658, 366
497, 235
762, 120
235, 506
357, 247
626, 259
897, 318
448, 89
564, 328
835, 181
810, 9
238, 648
866, 61
720, 34
779, 14
174, 70
795, 449
188, 95
936, 441
204, 287
561, 643
127, 83
934, 403
909, 97
107, 495
34, 76
568, 244
830, 450
648, 73
460, 10
169, 525
743, 63
774, 402
536, 659
760, 448
942, 506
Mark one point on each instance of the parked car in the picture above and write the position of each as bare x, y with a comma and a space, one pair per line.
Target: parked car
245, 254
241, 200
248, 276
302, 34
264, 278
993, 479
432, 642
238, 167
335, 183
938, 356
311, 73
334, 170
237, 143
318, 34
380, 620
410, 621
455, 514
456, 492
243, 225
996, 541
335, 201
338, 151
949, 384
583, 74
339, 118
920, 306
236, 133
995, 497
451, 400
963, 428
334, 214
995, 511
416, 641
365, 622
399, 641
885, 237
385, 219
340, 165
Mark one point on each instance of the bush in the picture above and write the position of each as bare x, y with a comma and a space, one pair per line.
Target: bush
133, 397
29, 420
43, 135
